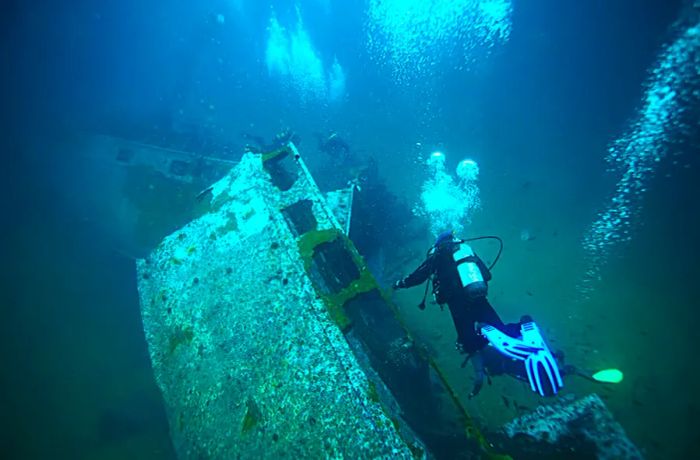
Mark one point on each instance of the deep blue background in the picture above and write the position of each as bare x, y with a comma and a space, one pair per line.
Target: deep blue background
572, 74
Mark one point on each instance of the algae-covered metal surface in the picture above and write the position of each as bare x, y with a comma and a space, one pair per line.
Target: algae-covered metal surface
269, 337
583, 428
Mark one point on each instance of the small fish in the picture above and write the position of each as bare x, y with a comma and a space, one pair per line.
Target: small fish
200, 196
519, 408
505, 401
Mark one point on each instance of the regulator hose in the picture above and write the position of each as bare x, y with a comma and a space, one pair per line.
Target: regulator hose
489, 237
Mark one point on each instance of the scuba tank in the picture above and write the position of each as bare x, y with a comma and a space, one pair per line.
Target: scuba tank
469, 272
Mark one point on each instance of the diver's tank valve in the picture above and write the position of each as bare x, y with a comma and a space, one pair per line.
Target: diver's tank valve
469, 272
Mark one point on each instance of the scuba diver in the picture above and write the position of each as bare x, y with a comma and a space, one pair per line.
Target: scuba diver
460, 279
340, 164
258, 144
334, 146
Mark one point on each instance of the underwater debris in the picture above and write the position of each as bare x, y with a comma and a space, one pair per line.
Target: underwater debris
181, 336
252, 416
585, 426
372, 393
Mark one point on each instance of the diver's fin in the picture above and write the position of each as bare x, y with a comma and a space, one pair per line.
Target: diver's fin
608, 376
541, 363
603, 376
507, 345
543, 373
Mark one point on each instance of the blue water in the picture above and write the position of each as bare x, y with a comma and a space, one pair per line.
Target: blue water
582, 117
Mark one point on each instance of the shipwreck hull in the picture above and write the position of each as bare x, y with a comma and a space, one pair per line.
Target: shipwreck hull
269, 337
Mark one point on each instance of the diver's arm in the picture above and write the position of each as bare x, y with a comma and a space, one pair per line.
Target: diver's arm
419, 275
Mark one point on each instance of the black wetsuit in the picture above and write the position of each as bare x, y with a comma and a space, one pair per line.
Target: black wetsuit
335, 146
260, 145
466, 310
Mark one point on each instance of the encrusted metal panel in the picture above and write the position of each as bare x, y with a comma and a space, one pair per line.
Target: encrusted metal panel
249, 362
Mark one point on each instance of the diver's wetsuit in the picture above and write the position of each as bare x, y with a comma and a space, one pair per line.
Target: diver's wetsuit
334, 146
260, 145
447, 287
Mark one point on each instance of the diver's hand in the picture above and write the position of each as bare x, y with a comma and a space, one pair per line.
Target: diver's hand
400, 284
